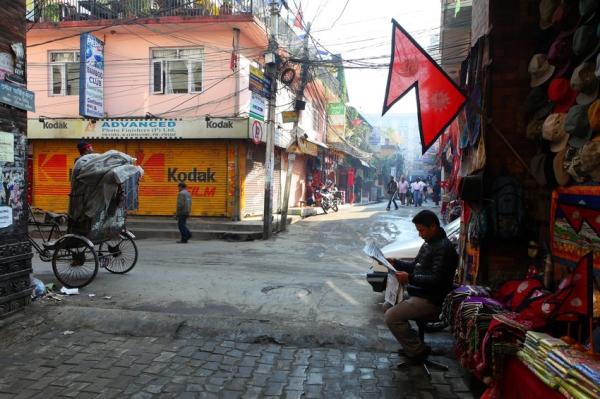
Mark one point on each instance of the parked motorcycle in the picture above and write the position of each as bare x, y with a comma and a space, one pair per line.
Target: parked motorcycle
327, 197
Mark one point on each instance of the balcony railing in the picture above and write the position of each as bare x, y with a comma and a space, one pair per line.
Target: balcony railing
56, 11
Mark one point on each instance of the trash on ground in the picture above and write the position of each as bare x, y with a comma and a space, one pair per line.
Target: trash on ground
108, 297
38, 287
68, 332
70, 291
91, 295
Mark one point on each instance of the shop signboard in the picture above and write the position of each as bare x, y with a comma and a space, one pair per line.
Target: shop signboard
256, 81
17, 97
91, 76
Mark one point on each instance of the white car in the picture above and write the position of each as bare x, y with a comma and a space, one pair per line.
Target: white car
404, 249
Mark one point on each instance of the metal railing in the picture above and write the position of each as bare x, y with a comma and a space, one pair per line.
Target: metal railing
56, 11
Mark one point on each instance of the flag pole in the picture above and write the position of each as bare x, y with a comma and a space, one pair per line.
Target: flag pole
480, 112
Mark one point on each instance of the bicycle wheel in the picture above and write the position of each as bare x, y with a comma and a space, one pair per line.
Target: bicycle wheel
118, 255
74, 262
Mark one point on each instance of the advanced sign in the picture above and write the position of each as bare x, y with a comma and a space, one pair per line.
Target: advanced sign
138, 129
91, 75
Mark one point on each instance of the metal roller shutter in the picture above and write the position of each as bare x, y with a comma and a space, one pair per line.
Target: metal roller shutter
202, 164
254, 183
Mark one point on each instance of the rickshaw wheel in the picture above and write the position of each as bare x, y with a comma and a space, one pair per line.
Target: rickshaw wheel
118, 255
74, 262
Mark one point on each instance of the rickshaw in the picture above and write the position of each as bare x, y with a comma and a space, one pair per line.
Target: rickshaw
103, 188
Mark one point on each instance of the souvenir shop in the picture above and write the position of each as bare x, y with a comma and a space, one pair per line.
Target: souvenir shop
525, 318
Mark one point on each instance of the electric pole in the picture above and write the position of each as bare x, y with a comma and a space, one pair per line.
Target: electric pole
292, 156
271, 69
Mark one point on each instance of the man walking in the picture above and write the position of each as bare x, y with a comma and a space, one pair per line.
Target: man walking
184, 208
402, 190
392, 188
417, 188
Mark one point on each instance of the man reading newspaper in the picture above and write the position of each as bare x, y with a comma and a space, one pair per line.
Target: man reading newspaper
428, 278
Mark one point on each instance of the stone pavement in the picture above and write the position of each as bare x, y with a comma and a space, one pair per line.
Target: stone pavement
89, 364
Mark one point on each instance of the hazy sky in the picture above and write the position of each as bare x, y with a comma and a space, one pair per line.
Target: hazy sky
363, 32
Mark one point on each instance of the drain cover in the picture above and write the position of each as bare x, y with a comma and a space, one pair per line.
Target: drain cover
285, 292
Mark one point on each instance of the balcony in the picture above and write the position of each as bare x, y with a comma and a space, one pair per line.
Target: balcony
68, 12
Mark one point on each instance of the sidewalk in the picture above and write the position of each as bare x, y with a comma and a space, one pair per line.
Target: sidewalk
79, 358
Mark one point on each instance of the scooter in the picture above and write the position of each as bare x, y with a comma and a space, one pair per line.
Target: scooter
327, 198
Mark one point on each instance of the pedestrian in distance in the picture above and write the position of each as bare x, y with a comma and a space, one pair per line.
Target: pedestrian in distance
437, 190
392, 188
417, 190
184, 208
428, 278
402, 190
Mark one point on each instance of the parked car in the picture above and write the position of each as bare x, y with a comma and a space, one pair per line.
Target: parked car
404, 249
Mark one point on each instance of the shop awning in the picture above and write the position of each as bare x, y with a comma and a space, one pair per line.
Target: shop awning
317, 143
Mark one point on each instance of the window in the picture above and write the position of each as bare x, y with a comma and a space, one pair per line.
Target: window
316, 120
64, 74
176, 71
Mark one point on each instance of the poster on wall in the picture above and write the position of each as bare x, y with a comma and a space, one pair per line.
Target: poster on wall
575, 225
91, 75
7, 147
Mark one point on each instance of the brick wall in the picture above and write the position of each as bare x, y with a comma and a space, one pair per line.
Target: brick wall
15, 250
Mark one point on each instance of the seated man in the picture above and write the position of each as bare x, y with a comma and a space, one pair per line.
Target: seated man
429, 278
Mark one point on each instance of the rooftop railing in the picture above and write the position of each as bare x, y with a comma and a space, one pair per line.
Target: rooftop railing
56, 11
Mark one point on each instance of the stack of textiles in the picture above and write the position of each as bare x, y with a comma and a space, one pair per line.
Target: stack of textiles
561, 366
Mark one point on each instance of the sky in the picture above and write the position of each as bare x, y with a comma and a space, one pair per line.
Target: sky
362, 30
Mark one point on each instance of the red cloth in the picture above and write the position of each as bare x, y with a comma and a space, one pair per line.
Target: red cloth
518, 382
439, 100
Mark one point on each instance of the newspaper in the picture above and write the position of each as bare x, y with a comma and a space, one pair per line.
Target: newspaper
375, 253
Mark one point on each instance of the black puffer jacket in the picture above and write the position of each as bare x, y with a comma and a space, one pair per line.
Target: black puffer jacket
431, 274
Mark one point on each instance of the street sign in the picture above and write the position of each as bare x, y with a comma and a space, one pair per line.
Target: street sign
257, 132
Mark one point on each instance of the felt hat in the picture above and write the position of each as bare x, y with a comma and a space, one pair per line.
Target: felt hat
587, 9
540, 69
554, 131
560, 55
585, 41
572, 164
577, 125
560, 92
566, 18
82, 145
562, 177
182, 184
534, 129
594, 116
590, 158
537, 167
538, 103
547, 9
549, 170
585, 83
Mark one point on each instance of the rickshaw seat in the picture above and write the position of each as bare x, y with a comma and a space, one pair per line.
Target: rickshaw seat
58, 218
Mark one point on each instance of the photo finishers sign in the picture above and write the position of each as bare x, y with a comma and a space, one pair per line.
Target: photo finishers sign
257, 132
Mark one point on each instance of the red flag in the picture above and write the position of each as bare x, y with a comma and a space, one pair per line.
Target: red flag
233, 61
299, 21
439, 99
576, 298
576, 214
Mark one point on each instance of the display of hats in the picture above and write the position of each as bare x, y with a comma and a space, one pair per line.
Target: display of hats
572, 164
549, 170
554, 131
585, 41
540, 69
585, 83
590, 158
560, 55
594, 116
547, 9
537, 167
577, 125
560, 92
533, 131
563, 178
538, 103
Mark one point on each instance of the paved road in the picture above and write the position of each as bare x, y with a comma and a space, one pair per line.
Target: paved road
285, 318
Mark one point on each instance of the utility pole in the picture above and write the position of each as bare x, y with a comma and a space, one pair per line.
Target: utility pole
271, 63
292, 156
236, 112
